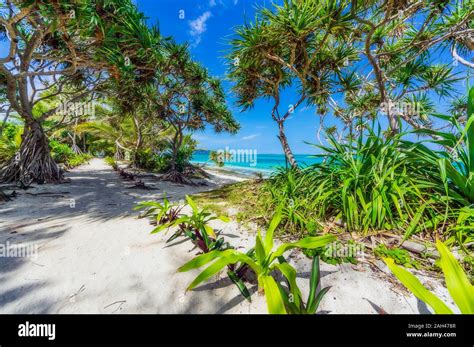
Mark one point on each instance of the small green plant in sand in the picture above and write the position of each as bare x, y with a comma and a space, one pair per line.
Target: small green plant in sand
196, 228
399, 256
160, 213
292, 298
336, 252
264, 262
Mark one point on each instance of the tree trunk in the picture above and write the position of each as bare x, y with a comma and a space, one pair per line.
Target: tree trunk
75, 147
286, 147
118, 153
33, 163
84, 146
177, 142
174, 174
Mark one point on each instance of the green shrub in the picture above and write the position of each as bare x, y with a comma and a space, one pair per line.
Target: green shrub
60, 152
400, 256
77, 159
449, 170
148, 160
111, 161
364, 184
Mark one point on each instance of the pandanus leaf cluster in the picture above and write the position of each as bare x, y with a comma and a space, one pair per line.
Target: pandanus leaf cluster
449, 164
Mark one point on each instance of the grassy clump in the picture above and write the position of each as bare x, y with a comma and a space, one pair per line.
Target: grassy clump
78, 159
246, 197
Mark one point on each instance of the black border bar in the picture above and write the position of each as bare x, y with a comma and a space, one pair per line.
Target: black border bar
243, 329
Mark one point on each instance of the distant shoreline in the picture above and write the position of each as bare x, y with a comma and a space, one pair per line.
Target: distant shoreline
266, 164
238, 171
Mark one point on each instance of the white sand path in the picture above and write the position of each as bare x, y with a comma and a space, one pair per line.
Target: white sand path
95, 256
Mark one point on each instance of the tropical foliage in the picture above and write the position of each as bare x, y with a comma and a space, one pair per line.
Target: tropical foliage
374, 183
117, 59
265, 260
389, 161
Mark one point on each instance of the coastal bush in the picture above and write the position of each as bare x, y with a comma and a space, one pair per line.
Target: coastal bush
362, 184
60, 152
77, 159
112, 162
181, 159
148, 160
10, 141
145, 159
63, 153
457, 282
287, 188
445, 165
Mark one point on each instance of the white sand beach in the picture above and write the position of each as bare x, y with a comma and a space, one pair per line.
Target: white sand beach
95, 256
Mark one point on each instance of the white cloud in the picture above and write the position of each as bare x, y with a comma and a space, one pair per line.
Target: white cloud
212, 3
251, 137
199, 27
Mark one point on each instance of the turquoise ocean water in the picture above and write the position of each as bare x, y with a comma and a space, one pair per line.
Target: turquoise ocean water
265, 163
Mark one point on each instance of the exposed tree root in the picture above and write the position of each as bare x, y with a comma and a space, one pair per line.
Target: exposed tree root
3, 196
126, 175
197, 171
33, 163
177, 177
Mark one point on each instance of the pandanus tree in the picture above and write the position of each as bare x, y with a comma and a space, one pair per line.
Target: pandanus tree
56, 44
400, 41
300, 46
139, 105
189, 99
